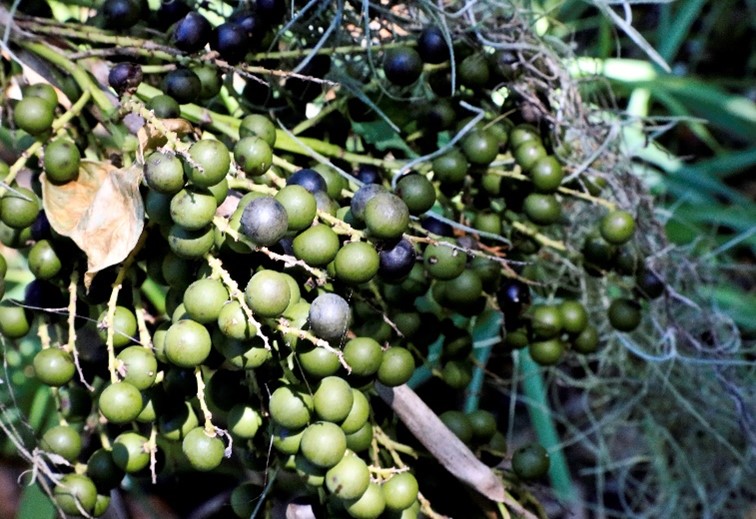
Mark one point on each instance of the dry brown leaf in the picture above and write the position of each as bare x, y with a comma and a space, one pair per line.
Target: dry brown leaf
101, 211
449, 450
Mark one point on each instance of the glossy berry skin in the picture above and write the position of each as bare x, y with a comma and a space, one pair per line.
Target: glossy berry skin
480, 147
397, 366
436, 226
204, 451
402, 66
253, 155
258, 126
19, 208
417, 192
34, 115
43, 260
164, 172
214, 159
323, 444
192, 32
309, 179
542, 209
648, 284
432, 46
164, 106
316, 246
231, 41
125, 77
121, 14
400, 491
547, 174
54, 367
300, 204
62, 440
349, 478
617, 227
396, 261
548, 352
624, 314
368, 174
73, 492
61, 162
252, 23
356, 262
183, 85
129, 453
120, 402
444, 262
513, 296
187, 343
268, 293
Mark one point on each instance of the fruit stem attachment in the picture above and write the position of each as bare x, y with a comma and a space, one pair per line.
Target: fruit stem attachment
219, 272
113, 302
70, 346
209, 427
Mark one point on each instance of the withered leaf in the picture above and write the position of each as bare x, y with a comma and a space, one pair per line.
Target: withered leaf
101, 211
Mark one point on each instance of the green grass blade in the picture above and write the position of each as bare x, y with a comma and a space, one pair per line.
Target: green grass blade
671, 36
534, 390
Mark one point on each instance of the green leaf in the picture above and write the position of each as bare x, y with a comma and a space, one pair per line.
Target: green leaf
35, 504
382, 136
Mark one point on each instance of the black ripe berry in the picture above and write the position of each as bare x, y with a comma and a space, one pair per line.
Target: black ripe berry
272, 11
436, 226
125, 77
402, 65
396, 261
252, 24
121, 14
368, 174
170, 12
231, 41
432, 46
309, 179
183, 85
513, 296
192, 32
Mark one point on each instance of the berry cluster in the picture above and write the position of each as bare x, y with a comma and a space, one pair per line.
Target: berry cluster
281, 274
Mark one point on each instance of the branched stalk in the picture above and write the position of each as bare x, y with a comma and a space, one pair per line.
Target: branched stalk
209, 427
235, 293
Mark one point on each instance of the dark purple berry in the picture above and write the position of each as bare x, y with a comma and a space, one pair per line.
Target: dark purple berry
271, 11
231, 41
396, 261
192, 32
368, 174
436, 226
432, 46
121, 14
309, 179
125, 77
